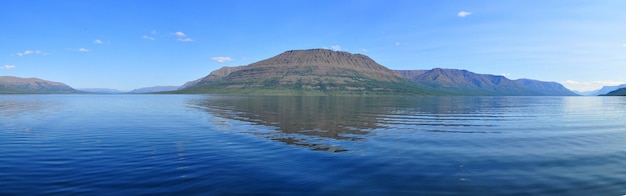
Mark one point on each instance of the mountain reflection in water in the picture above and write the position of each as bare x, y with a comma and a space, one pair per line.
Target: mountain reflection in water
313, 121
301, 121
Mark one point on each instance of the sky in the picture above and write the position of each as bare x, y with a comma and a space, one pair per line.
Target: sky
126, 45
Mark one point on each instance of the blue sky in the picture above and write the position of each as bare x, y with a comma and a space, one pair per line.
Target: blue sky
132, 44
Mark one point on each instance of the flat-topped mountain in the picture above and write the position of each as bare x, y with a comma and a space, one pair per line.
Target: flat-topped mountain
315, 71
464, 82
16, 85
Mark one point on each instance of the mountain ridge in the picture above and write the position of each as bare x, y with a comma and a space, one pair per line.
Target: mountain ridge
618, 92
17, 85
470, 83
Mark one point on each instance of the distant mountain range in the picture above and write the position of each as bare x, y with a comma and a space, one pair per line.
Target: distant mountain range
323, 72
603, 90
464, 82
16, 85
100, 90
155, 89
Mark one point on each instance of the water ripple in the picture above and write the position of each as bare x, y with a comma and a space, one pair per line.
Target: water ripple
240, 145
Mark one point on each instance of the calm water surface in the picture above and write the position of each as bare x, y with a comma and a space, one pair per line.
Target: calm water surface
205, 145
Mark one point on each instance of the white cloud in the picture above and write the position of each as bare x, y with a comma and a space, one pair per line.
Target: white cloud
29, 52
589, 86
83, 50
186, 39
364, 49
463, 14
336, 47
397, 43
222, 59
625, 45
154, 32
97, 41
182, 37
147, 37
8, 67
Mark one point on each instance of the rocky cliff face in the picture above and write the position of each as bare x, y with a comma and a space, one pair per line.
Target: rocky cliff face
316, 70
327, 62
10, 84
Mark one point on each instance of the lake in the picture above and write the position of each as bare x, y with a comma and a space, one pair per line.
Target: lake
266, 145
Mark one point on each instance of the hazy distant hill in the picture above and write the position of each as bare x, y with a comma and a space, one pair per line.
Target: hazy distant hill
16, 85
603, 90
155, 89
546, 88
618, 92
468, 83
315, 71
101, 90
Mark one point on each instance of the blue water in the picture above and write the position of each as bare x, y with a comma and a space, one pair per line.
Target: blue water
230, 145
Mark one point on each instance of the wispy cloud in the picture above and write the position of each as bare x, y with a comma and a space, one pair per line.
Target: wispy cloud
182, 37
147, 37
463, 14
97, 41
8, 67
589, 86
153, 32
397, 43
624, 45
83, 50
29, 52
336, 47
222, 59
